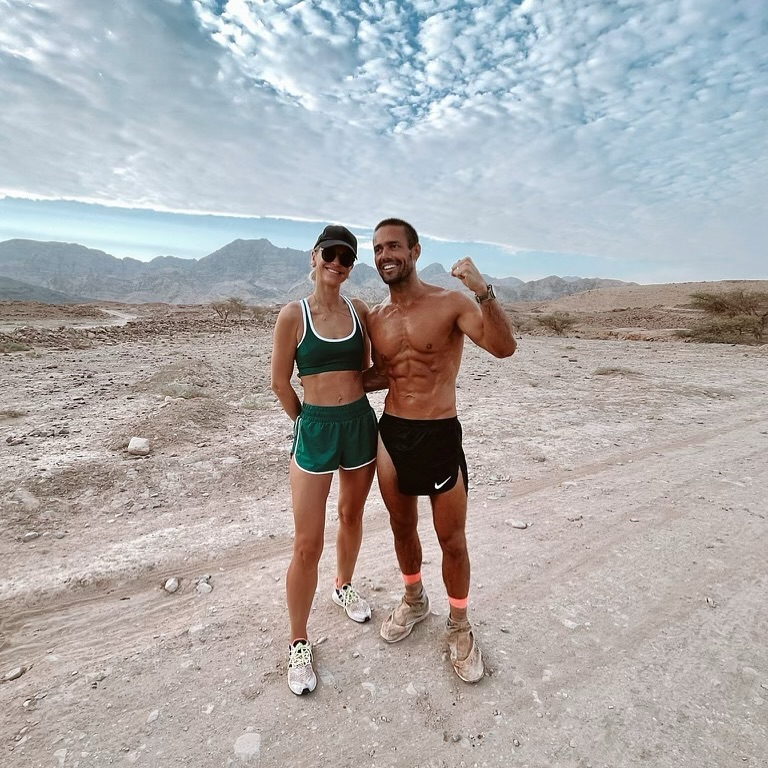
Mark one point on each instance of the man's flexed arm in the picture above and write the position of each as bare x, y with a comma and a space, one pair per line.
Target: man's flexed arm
486, 323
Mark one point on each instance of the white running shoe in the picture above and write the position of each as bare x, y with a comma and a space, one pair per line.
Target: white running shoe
356, 607
301, 675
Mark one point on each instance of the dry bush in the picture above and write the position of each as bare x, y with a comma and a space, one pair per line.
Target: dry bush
234, 307
183, 391
614, 371
258, 401
521, 322
237, 306
12, 413
262, 315
736, 317
6, 347
559, 322
188, 379
744, 329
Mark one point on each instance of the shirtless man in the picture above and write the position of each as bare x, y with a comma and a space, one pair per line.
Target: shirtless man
417, 337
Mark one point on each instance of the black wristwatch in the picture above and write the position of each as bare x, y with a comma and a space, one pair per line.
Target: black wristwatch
487, 296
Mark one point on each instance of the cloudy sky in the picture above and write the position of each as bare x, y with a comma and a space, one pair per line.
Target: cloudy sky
608, 138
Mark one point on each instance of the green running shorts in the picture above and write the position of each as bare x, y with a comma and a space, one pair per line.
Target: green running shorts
328, 437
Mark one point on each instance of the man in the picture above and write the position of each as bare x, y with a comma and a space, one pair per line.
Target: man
417, 335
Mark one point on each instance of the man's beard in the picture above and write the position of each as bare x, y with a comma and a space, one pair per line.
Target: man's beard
398, 275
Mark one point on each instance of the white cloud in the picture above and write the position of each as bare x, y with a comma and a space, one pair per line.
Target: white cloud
626, 131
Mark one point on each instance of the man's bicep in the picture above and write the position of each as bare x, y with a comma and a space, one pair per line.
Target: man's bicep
489, 328
470, 320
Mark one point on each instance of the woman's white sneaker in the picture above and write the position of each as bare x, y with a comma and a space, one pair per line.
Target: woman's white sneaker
301, 675
356, 607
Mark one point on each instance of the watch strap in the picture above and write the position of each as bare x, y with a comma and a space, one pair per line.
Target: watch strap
487, 296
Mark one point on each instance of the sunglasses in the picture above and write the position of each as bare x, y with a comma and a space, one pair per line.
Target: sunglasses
346, 258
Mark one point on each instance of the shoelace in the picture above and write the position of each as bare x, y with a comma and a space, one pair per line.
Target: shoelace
301, 655
348, 594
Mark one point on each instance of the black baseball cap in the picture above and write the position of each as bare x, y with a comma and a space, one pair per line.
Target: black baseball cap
335, 234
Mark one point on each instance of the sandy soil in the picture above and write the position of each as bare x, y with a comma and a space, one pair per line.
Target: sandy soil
625, 626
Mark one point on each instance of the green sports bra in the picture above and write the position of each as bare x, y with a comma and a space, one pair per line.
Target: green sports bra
316, 354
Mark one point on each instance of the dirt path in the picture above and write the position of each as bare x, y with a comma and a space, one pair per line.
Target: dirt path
625, 626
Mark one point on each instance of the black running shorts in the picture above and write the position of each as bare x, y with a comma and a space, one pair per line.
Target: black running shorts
427, 453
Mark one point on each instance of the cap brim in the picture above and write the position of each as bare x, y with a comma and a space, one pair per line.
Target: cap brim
328, 243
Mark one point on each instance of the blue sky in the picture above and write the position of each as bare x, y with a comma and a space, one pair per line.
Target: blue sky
593, 137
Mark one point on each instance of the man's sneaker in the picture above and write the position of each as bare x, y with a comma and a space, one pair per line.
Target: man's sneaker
467, 664
399, 623
301, 676
356, 607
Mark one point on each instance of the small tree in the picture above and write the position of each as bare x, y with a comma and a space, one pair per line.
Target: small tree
234, 306
221, 308
559, 322
237, 306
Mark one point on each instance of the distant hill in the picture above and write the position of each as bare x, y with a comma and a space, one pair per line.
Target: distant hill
15, 290
254, 270
634, 296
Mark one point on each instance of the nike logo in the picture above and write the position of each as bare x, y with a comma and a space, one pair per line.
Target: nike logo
438, 486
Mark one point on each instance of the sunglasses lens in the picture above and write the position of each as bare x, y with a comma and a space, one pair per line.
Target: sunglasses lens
346, 259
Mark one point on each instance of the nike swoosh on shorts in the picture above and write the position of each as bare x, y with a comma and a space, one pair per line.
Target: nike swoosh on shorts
438, 486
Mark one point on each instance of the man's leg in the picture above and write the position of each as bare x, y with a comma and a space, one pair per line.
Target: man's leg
403, 515
403, 519
449, 512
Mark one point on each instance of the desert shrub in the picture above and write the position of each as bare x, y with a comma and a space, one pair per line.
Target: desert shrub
234, 306
736, 316
262, 314
613, 371
559, 322
237, 306
743, 329
258, 401
6, 347
185, 391
11, 413
221, 308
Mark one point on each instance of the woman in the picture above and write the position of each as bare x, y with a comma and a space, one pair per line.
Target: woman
335, 428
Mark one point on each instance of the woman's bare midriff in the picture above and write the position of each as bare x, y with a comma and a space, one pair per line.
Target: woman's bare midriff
333, 387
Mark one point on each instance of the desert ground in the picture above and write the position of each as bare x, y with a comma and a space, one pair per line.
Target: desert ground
618, 529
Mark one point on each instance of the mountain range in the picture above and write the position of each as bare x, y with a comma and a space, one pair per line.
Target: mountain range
254, 270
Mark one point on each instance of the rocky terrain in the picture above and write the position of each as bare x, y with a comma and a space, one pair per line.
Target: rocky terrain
618, 527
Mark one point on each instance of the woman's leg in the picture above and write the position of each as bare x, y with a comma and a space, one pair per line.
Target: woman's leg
354, 485
309, 494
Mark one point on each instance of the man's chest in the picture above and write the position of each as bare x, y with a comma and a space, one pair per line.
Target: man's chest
394, 334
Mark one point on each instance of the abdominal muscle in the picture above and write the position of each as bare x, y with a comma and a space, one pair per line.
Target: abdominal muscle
419, 392
333, 387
